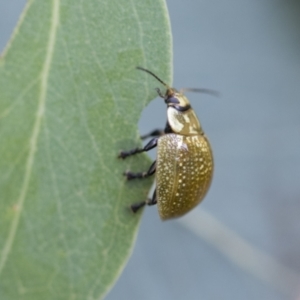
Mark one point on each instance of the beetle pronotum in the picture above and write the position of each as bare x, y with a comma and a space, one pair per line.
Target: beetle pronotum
184, 164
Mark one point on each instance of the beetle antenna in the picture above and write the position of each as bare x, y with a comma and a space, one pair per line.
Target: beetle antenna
205, 91
147, 71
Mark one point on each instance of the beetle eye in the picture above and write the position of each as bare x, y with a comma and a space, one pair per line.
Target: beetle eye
172, 100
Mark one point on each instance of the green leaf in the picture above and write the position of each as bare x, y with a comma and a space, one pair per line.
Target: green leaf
70, 100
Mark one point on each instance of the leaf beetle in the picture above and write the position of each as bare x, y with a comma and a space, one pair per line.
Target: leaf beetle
184, 164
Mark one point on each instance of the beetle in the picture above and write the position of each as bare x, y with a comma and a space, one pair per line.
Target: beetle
184, 164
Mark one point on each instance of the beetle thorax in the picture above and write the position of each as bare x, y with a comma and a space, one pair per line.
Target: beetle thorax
184, 123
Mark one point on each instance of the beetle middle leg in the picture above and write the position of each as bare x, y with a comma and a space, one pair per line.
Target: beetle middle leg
136, 206
152, 144
151, 171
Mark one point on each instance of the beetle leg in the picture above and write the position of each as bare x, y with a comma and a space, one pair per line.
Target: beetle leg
160, 94
156, 132
153, 200
149, 146
150, 172
135, 207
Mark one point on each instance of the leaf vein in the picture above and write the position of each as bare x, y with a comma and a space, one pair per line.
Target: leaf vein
35, 134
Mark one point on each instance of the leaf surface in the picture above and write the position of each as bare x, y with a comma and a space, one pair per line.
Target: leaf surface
70, 100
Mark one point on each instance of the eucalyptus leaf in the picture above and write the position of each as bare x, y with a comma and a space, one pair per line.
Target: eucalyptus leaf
70, 100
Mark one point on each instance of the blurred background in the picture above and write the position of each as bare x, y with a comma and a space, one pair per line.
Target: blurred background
243, 241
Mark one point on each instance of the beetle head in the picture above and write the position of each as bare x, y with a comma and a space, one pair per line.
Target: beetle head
172, 97
175, 99
181, 118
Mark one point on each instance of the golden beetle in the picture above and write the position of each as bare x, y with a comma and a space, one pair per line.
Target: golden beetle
184, 164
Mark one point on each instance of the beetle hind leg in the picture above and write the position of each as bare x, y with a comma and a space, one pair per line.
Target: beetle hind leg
151, 201
130, 175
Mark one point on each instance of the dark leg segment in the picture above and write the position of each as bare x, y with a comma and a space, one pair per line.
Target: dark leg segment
135, 207
160, 94
156, 132
149, 146
150, 172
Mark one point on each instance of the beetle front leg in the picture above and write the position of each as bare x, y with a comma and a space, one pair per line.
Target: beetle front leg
150, 172
149, 146
135, 207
